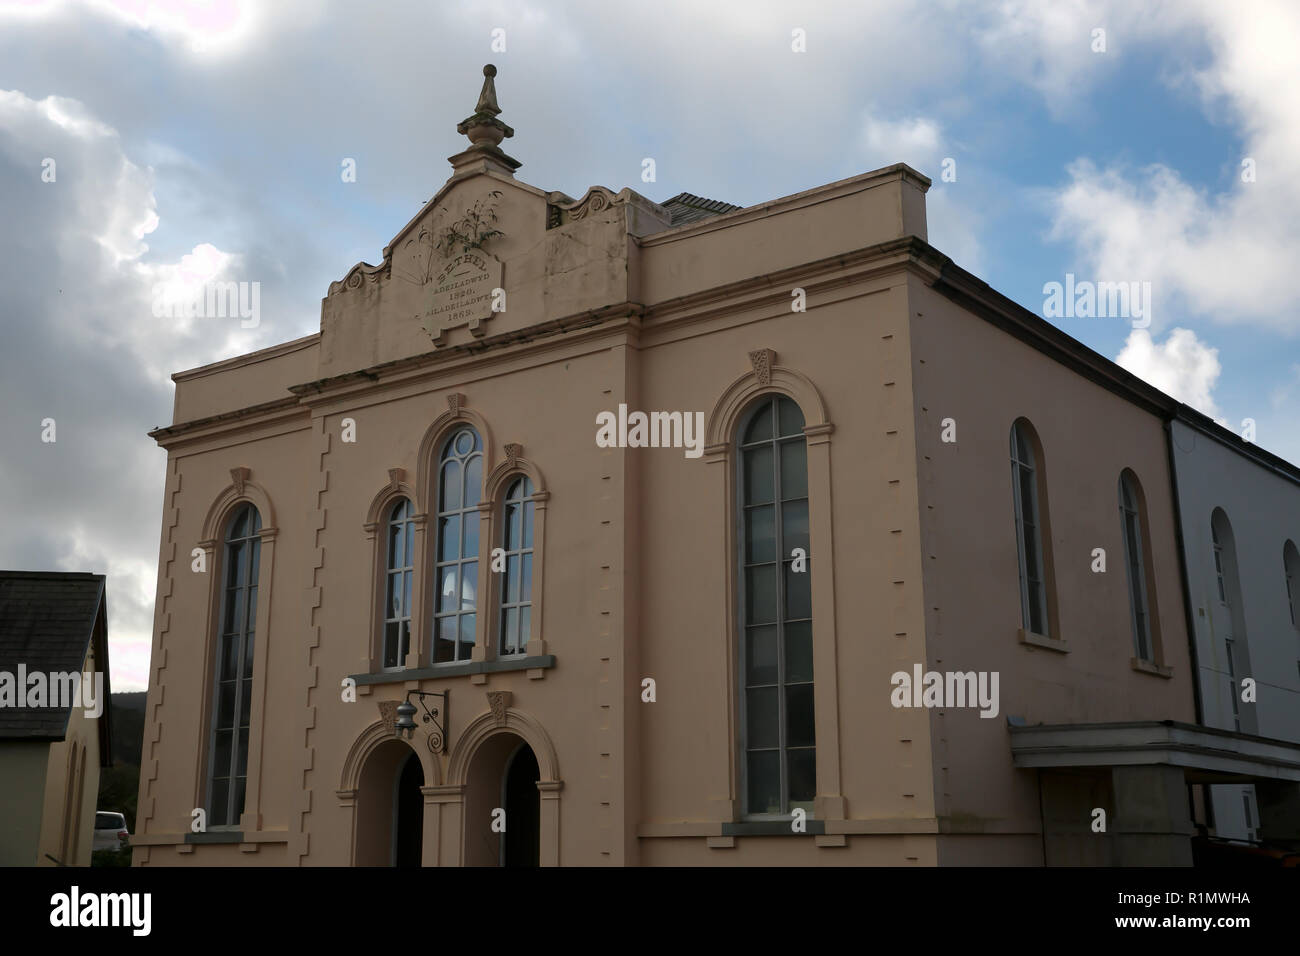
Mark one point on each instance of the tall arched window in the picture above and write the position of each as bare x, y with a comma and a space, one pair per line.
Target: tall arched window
399, 565
1134, 562
1025, 478
233, 691
1232, 620
517, 580
777, 726
460, 480
1291, 566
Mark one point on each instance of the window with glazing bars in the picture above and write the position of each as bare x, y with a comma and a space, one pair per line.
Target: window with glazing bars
1029, 542
1131, 521
233, 691
776, 658
399, 565
515, 609
460, 478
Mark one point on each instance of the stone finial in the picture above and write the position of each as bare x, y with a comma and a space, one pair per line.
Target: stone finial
484, 130
487, 100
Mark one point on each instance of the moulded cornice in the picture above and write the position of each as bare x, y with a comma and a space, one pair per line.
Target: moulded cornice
280, 409
463, 356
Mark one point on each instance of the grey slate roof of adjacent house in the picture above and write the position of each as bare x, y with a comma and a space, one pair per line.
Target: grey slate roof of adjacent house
686, 207
47, 622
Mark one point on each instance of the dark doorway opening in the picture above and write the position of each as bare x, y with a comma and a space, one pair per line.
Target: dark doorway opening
408, 815
520, 845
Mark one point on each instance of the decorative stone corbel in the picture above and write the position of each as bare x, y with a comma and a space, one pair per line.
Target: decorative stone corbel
763, 360
499, 702
388, 713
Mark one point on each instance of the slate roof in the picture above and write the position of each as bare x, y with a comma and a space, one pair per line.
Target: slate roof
686, 207
47, 622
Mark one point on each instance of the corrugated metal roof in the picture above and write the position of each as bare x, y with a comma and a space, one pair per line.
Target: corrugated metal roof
47, 621
687, 207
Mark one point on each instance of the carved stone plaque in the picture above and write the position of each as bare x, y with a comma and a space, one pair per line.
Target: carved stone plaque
461, 293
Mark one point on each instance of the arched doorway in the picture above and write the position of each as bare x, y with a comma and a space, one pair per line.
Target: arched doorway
502, 804
390, 808
523, 809
408, 815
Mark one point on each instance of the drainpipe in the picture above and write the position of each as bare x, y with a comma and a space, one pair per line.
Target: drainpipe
1182, 570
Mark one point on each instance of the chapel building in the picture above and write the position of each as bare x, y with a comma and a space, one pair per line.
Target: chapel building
599, 531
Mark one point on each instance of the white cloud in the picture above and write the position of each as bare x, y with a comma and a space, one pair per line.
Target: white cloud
913, 140
86, 350
1049, 45
1228, 256
208, 26
1182, 366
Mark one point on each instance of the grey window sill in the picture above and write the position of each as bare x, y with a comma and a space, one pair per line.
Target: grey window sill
1150, 667
1038, 640
461, 669
772, 828
216, 836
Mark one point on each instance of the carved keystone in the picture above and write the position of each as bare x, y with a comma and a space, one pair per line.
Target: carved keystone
498, 702
388, 713
762, 360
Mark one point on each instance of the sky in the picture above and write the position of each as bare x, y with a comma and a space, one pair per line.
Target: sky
148, 144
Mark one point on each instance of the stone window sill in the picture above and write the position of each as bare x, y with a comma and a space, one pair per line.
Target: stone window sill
461, 669
772, 828
216, 836
1150, 667
1038, 640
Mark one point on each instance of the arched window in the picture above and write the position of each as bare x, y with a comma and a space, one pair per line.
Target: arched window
399, 565
1134, 562
1232, 618
776, 655
460, 481
1291, 566
233, 691
1025, 484
515, 608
